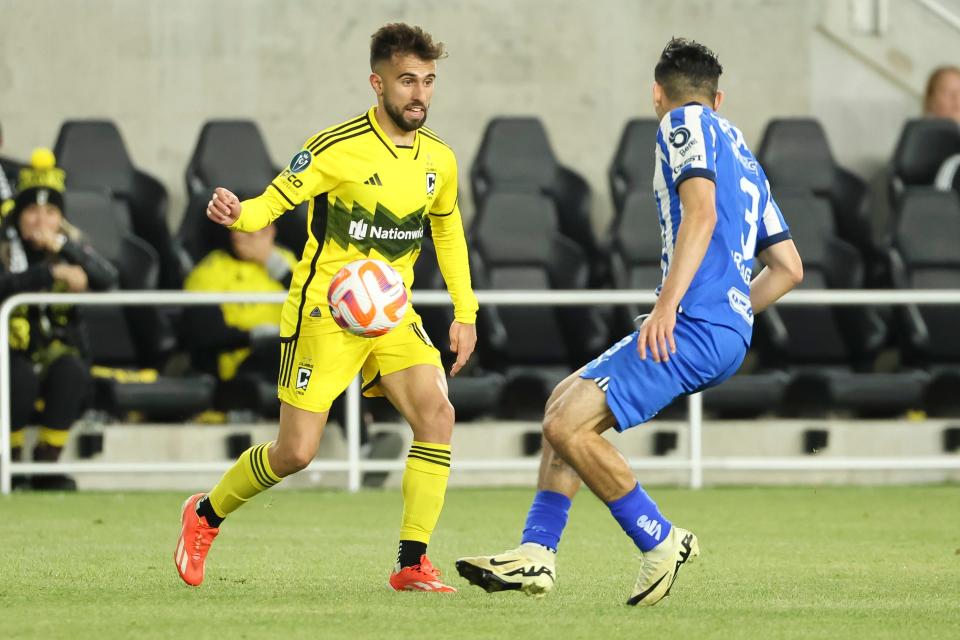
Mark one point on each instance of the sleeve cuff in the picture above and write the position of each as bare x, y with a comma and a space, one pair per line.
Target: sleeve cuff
696, 172
769, 241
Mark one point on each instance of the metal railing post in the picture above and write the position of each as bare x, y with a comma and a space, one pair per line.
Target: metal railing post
695, 410
353, 435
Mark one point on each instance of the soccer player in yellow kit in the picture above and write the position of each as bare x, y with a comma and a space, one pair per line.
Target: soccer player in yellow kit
370, 183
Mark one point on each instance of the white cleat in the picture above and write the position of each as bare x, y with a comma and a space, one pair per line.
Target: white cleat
530, 568
659, 567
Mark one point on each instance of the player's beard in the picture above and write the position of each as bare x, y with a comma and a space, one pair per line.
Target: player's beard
397, 115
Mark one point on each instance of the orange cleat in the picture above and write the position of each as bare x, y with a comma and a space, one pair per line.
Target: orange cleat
196, 536
419, 577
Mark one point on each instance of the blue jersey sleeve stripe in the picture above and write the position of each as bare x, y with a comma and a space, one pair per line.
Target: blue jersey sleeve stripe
769, 241
696, 172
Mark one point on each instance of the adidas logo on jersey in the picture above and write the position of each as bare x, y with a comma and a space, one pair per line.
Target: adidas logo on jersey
374, 180
315, 313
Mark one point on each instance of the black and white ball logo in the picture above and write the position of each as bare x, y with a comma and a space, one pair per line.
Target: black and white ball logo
679, 137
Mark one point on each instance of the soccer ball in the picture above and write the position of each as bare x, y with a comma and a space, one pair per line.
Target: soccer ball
367, 298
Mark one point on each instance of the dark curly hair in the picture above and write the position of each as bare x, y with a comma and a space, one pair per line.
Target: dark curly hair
687, 69
398, 39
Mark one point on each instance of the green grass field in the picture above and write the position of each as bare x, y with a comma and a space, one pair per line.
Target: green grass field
776, 563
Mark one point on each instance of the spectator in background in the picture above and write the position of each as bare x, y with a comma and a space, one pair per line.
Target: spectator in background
942, 99
41, 251
240, 341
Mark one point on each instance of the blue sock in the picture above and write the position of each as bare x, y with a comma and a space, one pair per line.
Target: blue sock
640, 518
546, 519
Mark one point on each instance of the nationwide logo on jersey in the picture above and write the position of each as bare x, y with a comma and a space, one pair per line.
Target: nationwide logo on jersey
392, 236
300, 161
679, 137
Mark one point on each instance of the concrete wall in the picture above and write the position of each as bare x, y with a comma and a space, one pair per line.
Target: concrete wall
160, 69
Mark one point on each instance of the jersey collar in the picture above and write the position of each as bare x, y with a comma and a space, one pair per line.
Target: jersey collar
387, 142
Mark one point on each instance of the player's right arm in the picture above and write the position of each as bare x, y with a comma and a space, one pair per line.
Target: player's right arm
302, 179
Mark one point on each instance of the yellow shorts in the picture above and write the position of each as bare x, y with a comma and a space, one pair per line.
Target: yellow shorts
315, 369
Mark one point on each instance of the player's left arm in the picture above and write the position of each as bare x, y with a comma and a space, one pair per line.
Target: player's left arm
698, 199
451, 245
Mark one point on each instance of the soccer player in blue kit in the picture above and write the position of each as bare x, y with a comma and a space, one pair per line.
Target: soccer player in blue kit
716, 213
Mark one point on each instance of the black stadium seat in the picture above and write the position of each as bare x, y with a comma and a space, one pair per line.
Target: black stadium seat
795, 154
925, 256
922, 147
634, 161
94, 157
231, 154
125, 339
515, 157
517, 247
831, 351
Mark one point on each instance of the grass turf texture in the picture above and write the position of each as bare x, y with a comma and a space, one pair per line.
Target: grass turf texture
776, 563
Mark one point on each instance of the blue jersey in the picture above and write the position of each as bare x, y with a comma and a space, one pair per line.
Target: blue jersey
693, 141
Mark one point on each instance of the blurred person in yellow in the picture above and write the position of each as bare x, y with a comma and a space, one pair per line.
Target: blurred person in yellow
41, 251
371, 182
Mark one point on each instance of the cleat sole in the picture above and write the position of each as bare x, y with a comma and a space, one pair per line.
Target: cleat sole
483, 578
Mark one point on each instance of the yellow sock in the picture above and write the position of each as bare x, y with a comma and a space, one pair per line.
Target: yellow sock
251, 474
424, 485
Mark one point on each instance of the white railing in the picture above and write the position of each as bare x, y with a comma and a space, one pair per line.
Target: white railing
354, 466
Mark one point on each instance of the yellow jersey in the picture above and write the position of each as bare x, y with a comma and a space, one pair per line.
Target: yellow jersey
367, 198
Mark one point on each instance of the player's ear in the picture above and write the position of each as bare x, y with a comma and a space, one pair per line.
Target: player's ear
657, 96
718, 100
377, 83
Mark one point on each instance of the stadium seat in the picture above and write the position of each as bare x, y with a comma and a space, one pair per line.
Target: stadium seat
94, 157
231, 154
477, 390
795, 154
923, 146
925, 256
831, 351
515, 156
516, 248
634, 161
127, 339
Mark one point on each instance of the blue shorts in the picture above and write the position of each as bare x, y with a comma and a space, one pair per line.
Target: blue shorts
707, 354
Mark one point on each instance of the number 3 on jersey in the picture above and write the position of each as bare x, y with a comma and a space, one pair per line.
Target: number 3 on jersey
751, 215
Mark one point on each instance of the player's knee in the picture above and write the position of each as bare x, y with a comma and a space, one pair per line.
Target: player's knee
444, 415
294, 458
556, 429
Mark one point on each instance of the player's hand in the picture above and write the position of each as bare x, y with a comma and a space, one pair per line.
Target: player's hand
224, 207
656, 332
463, 340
